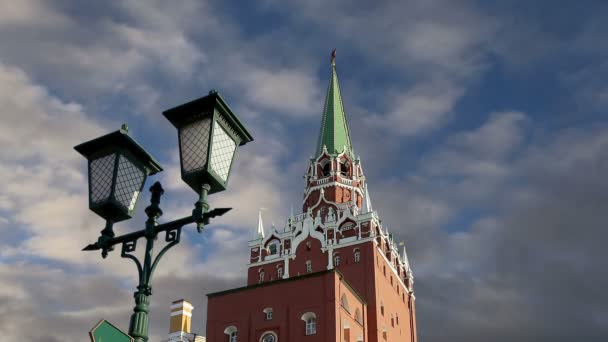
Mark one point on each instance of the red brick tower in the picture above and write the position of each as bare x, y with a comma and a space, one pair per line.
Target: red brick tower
332, 273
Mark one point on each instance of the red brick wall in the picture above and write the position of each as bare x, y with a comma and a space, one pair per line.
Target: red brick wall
289, 299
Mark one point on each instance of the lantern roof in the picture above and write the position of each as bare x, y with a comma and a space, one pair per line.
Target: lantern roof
334, 133
121, 139
190, 111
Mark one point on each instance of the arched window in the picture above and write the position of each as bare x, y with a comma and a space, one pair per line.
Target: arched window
397, 318
325, 167
273, 247
311, 323
392, 321
268, 312
344, 303
260, 275
337, 260
308, 266
344, 167
232, 333
269, 337
357, 253
279, 272
382, 308
358, 317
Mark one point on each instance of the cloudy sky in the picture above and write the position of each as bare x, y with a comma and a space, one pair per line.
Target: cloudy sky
482, 130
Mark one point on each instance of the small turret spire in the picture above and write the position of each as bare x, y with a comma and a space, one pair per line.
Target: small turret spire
260, 233
404, 258
367, 202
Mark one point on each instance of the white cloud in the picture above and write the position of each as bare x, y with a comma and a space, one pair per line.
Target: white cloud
422, 108
29, 13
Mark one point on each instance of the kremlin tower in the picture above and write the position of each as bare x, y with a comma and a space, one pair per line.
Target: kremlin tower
332, 273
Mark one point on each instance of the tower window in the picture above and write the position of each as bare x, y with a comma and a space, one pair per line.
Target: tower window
344, 168
382, 308
280, 273
268, 312
273, 247
392, 321
311, 326
358, 316
325, 167
232, 333
337, 260
261, 276
344, 303
357, 255
308, 266
311, 323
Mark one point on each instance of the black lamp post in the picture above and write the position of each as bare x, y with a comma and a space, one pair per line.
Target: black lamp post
209, 134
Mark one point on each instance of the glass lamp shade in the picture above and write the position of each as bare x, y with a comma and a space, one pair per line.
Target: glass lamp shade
118, 168
209, 134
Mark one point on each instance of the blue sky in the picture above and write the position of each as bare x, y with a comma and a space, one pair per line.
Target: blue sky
481, 127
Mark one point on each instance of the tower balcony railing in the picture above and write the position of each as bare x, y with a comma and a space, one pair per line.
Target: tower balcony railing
322, 181
346, 181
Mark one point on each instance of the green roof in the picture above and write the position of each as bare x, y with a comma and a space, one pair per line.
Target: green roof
334, 127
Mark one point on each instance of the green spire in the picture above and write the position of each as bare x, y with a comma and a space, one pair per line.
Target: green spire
334, 127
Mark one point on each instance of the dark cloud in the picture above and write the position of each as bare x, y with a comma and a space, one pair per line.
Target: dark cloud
530, 267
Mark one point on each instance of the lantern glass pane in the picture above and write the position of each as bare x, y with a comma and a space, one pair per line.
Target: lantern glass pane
129, 180
101, 172
223, 150
194, 145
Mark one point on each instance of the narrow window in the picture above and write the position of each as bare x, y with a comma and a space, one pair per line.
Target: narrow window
310, 321
268, 312
326, 168
232, 333
357, 255
280, 273
382, 308
337, 260
344, 303
384, 270
392, 321
397, 318
308, 266
358, 316
261, 279
311, 326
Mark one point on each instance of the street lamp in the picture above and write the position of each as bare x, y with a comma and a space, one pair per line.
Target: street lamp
209, 135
